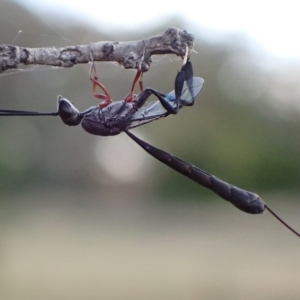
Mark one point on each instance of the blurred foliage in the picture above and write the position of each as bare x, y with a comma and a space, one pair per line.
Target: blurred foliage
238, 130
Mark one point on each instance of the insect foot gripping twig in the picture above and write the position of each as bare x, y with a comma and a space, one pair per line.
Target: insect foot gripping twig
172, 41
138, 77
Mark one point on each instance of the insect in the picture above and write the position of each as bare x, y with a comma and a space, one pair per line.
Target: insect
111, 118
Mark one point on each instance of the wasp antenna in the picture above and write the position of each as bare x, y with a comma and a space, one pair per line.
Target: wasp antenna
280, 220
186, 55
91, 56
143, 55
93, 67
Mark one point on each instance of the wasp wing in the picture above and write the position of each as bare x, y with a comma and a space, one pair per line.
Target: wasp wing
154, 110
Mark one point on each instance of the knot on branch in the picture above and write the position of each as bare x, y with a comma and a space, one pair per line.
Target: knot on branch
10, 57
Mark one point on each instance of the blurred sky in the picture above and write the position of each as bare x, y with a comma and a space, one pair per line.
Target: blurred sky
273, 25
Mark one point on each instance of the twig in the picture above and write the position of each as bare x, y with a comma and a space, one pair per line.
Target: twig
128, 54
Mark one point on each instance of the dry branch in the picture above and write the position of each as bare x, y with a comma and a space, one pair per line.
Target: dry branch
128, 54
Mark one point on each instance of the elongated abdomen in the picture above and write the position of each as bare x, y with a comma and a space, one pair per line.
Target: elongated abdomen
242, 199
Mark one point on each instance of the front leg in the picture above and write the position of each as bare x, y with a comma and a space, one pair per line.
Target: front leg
138, 77
142, 97
184, 75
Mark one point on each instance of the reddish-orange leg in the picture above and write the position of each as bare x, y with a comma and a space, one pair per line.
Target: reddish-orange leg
106, 96
138, 77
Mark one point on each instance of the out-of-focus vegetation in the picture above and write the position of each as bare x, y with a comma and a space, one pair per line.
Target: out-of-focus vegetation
238, 129
58, 250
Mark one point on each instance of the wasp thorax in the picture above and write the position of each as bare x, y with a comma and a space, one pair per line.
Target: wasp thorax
110, 120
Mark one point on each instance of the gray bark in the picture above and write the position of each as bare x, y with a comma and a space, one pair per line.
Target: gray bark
128, 54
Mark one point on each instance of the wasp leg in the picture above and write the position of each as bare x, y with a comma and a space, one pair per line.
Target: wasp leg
179, 81
185, 74
138, 78
188, 69
142, 97
106, 96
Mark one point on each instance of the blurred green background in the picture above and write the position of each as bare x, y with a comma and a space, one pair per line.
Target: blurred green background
94, 217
